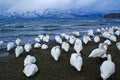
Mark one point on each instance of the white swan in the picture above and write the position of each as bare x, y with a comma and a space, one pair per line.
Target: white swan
113, 38
55, 52
107, 68
40, 36
67, 37
76, 61
108, 42
63, 35
58, 39
37, 39
106, 34
1, 44
86, 39
46, 38
37, 45
29, 60
65, 46
96, 39
10, 45
18, 41
78, 47
18, 50
44, 46
117, 32
28, 47
103, 45
30, 70
90, 33
98, 30
76, 33
118, 45
72, 39
98, 52
78, 41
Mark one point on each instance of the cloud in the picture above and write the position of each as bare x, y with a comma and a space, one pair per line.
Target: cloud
31, 5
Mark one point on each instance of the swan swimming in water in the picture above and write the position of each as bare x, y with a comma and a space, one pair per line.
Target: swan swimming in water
10, 45
30, 70
76, 61
76, 33
29, 60
55, 52
37, 39
28, 47
107, 68
18, 50
90, 33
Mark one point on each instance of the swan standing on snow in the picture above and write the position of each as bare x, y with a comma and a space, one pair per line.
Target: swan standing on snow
29, 60
76, 61
44, 46
98, 52
55, 52
96, 39
30, 70
10, 45
18, 50
118, 45
58, 39
18, 41
1, 44
28, 47
65, 46
86, 39
37, 45
107, 68
90, 33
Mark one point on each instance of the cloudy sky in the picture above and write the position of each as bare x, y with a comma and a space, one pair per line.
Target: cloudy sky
32, 5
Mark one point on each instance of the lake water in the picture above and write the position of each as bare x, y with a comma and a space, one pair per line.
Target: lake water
28, 29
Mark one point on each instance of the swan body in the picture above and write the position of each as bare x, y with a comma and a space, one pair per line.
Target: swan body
78, 41
107, 68
113, 38
76, 61
30, 70
117, 33
55, 52
40, 36
44, 46
118, 45
108, 42
72, 39
65, 46
103, 45
28, 47
78, 47
76, 33
106, 34
37, 39
58, 39
46, 38
18, 50
96, 39
37, 45
99, 52
90, 33
10, 45
86, 39
98, 30
29, 60
18, 41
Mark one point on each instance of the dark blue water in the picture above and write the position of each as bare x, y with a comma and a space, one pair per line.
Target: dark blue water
28, 29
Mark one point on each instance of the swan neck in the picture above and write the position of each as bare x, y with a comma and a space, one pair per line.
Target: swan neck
109, 57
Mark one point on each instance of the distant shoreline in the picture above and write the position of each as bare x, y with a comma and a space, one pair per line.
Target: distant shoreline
112, 15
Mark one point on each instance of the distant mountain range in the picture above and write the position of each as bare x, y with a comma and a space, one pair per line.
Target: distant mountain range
53, 13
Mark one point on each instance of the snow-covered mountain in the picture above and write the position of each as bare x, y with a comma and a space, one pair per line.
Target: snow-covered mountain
52, 13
